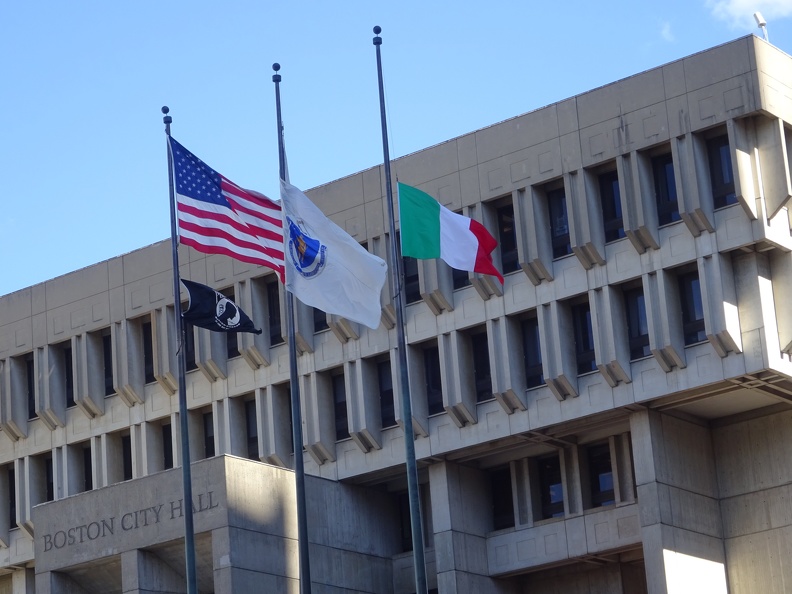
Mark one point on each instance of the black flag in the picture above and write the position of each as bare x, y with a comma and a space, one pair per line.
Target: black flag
214, 311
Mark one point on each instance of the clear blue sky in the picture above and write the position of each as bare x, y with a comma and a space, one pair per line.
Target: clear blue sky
82, 141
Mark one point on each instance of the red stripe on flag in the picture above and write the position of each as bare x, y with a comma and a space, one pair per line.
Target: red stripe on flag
486, 243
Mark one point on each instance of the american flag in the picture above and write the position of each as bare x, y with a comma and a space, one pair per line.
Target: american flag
216, 216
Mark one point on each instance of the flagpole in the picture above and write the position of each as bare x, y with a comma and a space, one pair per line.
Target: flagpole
189, 531
294, 383
397, 274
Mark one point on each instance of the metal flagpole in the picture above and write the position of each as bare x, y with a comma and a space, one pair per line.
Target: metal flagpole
397, 274
294, 383
189, 532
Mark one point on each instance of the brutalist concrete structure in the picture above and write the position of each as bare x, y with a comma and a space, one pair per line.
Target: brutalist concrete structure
615, 418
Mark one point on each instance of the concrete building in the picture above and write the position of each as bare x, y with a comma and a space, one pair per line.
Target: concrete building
616, 418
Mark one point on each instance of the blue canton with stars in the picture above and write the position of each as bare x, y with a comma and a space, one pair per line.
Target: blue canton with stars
194, 178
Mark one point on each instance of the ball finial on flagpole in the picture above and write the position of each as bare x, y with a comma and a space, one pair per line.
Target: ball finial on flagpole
377, 31
167, 119
276, 77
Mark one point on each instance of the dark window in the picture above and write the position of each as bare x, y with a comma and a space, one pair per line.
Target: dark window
692, 308
126, 454
11, 497
232, 338
721, 174
507, 239
387, 407
460, 278
208, 432
49, 479
405, 522
68, 375
434, 386
319, 320
340, 405
148, 352
167, 446
610, 200
600, 475
291, 418
637, 326
584, 338
532, 353
559, 225
251, 425
30, 378
87, 468
189, 347
273, 313
550, 487
412, 287
481, 367
502, 501
665, 189
107, 359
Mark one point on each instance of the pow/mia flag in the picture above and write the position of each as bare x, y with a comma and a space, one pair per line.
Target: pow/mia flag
214, 311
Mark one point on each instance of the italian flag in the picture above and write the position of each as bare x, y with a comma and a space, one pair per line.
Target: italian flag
430, 230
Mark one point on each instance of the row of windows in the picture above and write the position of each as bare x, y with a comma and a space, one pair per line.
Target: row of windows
549, 495
634, 310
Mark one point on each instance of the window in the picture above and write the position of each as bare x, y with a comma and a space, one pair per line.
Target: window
551, 488
273, 313
340, 406
665, 189
434, 386
507, 239
232, 338
319, 320
251, 427
460, 278
610, 201
167, 446
532, 353
208, 434
405, 522
11, 497
721, 174
87, 467
637, 326
189, 346
412, 287
584, 338
148, 351
30, 378
692, 308
502, 499
600, 475
49, 479
68, 374
385, 380
107, 359
481, 367
559, 225
126, 455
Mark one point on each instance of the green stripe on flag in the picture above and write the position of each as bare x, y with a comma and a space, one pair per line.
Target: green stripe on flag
419, 215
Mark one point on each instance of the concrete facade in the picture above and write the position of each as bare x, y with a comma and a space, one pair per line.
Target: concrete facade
615, 418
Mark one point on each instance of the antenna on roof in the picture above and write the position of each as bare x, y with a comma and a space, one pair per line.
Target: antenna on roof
760, 20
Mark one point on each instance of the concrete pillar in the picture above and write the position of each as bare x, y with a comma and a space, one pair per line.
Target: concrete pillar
23, 581
143, 572
461, 517
679, 508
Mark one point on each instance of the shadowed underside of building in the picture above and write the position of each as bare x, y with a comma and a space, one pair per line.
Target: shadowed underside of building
615, 418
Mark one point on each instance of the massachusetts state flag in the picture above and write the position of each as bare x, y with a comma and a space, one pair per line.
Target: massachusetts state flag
218, 217
214, 311
326, 267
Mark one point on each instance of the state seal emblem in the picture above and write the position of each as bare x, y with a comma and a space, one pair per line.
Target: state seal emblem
308, 254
